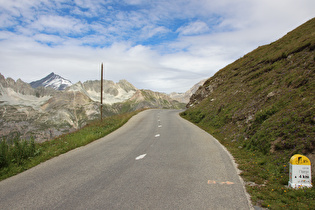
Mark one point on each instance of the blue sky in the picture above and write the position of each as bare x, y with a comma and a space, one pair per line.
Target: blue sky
162, 45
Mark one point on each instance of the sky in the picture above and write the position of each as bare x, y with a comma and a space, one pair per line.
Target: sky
161, 45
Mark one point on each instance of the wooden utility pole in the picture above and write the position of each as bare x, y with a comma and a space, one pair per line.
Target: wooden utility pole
102, 92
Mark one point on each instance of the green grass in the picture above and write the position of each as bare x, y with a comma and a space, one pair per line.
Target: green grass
261, 107
22, 155
268, 172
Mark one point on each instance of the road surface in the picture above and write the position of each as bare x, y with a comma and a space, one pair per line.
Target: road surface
155, 161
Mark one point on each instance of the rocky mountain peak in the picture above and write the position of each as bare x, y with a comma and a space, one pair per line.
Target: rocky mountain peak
127, 86
52, 80
18, 86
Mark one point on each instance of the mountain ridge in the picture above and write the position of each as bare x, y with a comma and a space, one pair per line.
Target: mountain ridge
44, 112
57, 82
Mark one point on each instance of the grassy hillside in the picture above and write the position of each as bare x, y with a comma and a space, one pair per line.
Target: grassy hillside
261, 107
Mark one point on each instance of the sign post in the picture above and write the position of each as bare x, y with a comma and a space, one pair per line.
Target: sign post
101, 92
300, 172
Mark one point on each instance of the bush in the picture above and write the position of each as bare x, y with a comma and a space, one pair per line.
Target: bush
3, 153
17, 152
194, 116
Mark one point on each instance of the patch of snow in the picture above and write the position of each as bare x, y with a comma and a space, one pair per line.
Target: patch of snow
56, 83
111, 99
10, 97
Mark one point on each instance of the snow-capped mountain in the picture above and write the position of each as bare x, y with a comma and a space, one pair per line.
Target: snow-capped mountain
52, 80
43, 113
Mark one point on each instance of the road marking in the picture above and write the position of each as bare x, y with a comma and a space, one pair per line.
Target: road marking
227, 182
157, 135
140, 157
211, 182
214, 182
160, 126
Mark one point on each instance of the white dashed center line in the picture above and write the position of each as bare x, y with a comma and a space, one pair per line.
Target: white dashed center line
140, 157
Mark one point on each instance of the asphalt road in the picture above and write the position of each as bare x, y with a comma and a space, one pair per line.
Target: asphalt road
155, 161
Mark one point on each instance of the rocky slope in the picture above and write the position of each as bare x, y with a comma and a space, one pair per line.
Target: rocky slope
45, 112
265, 100
184, 97
113, 92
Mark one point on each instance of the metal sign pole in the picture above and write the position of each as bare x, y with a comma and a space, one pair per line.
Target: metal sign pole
102, 92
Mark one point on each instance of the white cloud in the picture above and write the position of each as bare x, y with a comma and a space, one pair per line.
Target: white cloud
59, 24
72, 38
48, 39
195, 28
135, 2
150, 31
6, 20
